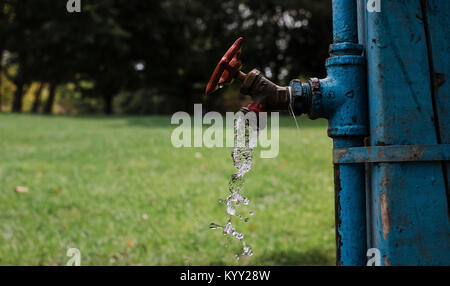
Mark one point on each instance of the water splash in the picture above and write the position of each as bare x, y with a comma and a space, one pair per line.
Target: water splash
246, 133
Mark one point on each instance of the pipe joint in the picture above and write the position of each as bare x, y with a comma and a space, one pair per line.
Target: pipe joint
340, 97
301, 97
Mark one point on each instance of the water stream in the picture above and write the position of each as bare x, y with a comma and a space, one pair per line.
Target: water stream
246, 133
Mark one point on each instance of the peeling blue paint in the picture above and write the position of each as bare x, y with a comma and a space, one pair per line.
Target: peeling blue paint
387, 79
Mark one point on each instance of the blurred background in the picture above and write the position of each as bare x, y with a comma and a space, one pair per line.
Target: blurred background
149, 57
85, 153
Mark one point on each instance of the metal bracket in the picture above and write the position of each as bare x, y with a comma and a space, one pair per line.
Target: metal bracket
393, 153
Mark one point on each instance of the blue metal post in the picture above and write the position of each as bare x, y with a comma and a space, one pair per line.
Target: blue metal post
343, 92
407, 46
341, 98
406, 183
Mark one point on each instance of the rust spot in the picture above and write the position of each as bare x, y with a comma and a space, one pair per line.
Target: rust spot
385, 217
384, 182
416, 153
386, 261
380, 143
330, 131
380, 153
379, 66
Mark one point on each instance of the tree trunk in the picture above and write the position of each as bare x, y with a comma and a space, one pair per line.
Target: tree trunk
108, 107
18, 95
51, 98
37, 99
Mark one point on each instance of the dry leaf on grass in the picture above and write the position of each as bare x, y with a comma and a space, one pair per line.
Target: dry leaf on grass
21, 189
129, 244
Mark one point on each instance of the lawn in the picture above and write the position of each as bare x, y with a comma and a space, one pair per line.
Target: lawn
116, 189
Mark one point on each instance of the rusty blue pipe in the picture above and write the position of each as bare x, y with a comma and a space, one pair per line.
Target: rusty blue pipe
406, 183
341, 98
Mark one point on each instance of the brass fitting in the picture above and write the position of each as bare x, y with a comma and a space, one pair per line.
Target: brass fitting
266, 94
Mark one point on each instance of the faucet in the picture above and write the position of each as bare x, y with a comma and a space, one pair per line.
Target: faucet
341, 99
266, 95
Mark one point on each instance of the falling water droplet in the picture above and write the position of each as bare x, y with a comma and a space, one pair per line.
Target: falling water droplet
215, 226
231, 210
247, 251
245, 130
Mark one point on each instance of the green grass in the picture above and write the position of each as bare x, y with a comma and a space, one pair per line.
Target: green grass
93, 180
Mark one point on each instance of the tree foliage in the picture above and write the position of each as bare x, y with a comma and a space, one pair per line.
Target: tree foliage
160, 51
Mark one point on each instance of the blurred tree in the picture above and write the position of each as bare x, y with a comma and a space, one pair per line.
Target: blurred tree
285, 39
107, 59
17, 35
3, 25
37, 99
169, 47
181, 44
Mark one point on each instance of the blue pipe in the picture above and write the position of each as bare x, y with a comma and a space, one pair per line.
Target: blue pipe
350, 209
341, 98
345, 24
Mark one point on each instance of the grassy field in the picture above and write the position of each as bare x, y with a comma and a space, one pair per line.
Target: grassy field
115, 188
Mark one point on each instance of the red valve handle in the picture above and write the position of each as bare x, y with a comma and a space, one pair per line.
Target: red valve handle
227, 68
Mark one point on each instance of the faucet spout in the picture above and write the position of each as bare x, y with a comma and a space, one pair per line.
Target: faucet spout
267, 96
